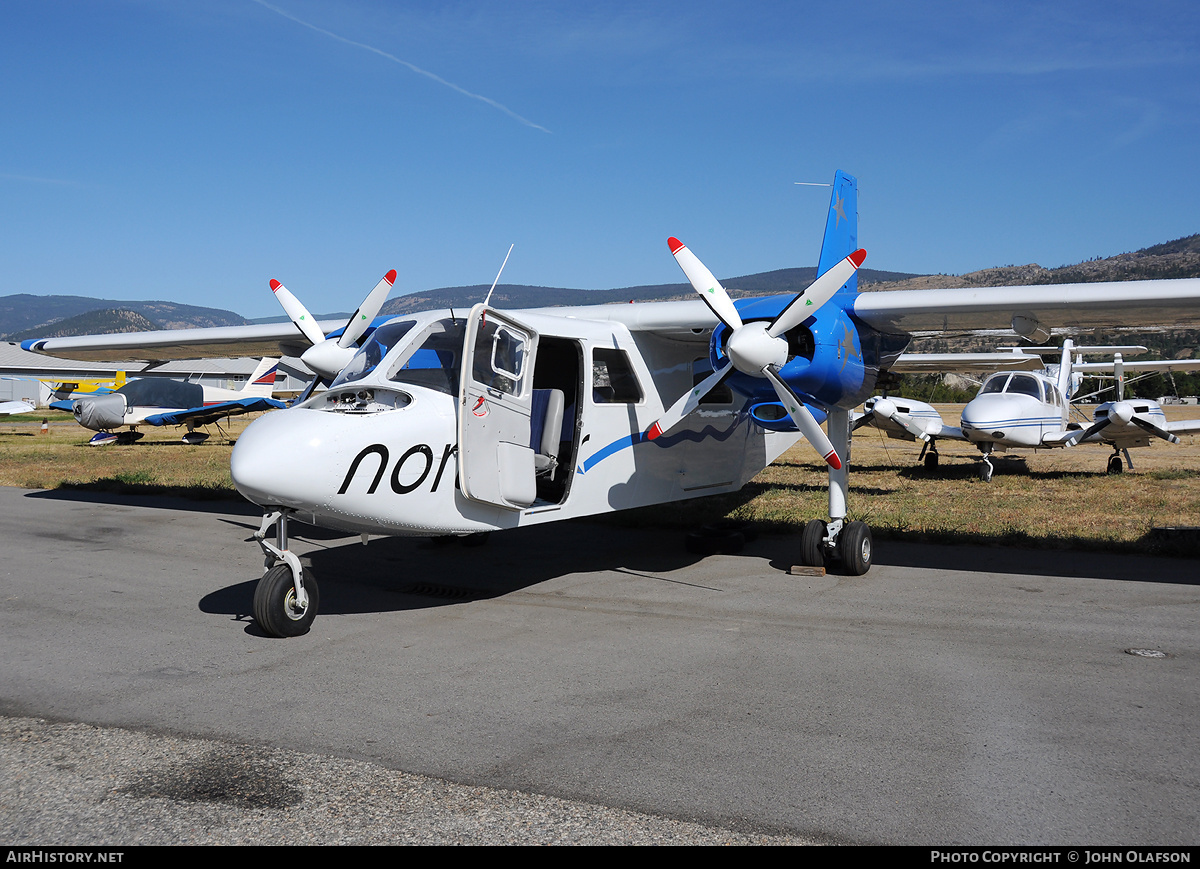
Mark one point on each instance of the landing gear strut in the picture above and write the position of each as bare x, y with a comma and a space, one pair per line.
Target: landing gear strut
850, 543
286, 598
985, 465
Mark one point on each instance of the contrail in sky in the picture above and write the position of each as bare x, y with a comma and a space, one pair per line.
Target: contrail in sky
415, 69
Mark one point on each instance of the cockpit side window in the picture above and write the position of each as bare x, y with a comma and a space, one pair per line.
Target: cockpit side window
371, 354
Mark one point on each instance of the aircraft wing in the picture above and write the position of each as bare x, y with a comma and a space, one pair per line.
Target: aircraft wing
1135, 367
936, 363
1184, 426
213, 412
1058, 307
264, 339
7, 407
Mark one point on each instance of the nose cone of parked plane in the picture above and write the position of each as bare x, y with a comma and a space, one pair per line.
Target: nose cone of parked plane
100, 412
280, 458
997, 417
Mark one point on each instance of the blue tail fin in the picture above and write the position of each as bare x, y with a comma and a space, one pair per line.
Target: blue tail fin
841, 227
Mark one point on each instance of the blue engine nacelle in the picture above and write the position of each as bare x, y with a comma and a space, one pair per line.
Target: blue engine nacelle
833, 357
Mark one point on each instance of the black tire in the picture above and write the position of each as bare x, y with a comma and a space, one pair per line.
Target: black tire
854, 548
812, 545
275, 603
931, 461
1115, 465
710, 541
985, 472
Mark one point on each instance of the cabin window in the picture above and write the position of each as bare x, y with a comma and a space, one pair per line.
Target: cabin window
613, 380
498, 360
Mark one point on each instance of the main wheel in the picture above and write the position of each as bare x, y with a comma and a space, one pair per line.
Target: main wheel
1115, 466
812, 543
275, 607
931, 461
854, 548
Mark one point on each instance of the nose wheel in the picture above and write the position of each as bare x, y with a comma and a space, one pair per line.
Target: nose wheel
286, 598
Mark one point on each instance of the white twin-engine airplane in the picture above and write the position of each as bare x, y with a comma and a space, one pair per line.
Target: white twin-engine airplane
1022, 408
454, 423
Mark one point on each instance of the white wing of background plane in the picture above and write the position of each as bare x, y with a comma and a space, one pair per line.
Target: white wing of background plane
1057, 307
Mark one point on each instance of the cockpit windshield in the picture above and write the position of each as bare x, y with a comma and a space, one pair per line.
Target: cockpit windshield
1013, 384
433, 358
371, 354
1025, 384
995, 383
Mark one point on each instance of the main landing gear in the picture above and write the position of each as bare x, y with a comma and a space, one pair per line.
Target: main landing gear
1115, 465
848, 542
286, 598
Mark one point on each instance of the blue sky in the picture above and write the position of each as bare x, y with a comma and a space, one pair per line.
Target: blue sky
194, 150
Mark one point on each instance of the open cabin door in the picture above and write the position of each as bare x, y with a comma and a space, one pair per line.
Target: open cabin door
495, 459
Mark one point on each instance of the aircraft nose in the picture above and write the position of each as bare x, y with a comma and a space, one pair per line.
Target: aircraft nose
278, 458
984, 418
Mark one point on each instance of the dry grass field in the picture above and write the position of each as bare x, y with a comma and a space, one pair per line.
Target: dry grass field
1054, 498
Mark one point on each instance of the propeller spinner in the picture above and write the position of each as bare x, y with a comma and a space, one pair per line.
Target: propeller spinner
328, 356
758, 349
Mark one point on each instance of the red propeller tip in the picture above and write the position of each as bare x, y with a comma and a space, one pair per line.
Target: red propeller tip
654, 432
857, 257
275, 285
834, 461
390, 277
675, 244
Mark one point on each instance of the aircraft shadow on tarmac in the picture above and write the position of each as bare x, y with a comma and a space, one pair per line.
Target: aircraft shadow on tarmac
394, 574
404, 573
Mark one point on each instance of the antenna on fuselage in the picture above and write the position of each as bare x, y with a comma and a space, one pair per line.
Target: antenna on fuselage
488, 297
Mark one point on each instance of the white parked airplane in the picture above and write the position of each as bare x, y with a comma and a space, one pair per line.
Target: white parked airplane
161, 401
1028, 409
453, 423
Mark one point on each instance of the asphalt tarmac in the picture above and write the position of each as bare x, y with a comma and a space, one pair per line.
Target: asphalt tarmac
583, 683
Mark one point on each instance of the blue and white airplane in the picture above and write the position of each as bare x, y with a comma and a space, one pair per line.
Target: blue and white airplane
454, 423
162, 401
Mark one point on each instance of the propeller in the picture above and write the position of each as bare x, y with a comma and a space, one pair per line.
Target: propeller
1121, 413
328, 356
758, 349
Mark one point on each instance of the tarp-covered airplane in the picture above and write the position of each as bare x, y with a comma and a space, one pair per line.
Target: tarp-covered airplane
1027, 406
159, 401
453, 422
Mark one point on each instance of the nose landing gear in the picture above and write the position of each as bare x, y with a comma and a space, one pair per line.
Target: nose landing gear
286, 598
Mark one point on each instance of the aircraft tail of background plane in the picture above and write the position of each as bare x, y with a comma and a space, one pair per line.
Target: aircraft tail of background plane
262, 381
841, 228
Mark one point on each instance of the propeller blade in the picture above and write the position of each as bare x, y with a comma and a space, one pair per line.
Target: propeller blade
803, 418
687, 403
367, 311
867, 418
299, 315
1147, 426
816, 294
1084, 434
706, 285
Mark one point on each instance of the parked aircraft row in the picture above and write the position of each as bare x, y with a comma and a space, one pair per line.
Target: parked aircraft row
452, 423
1019, 408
